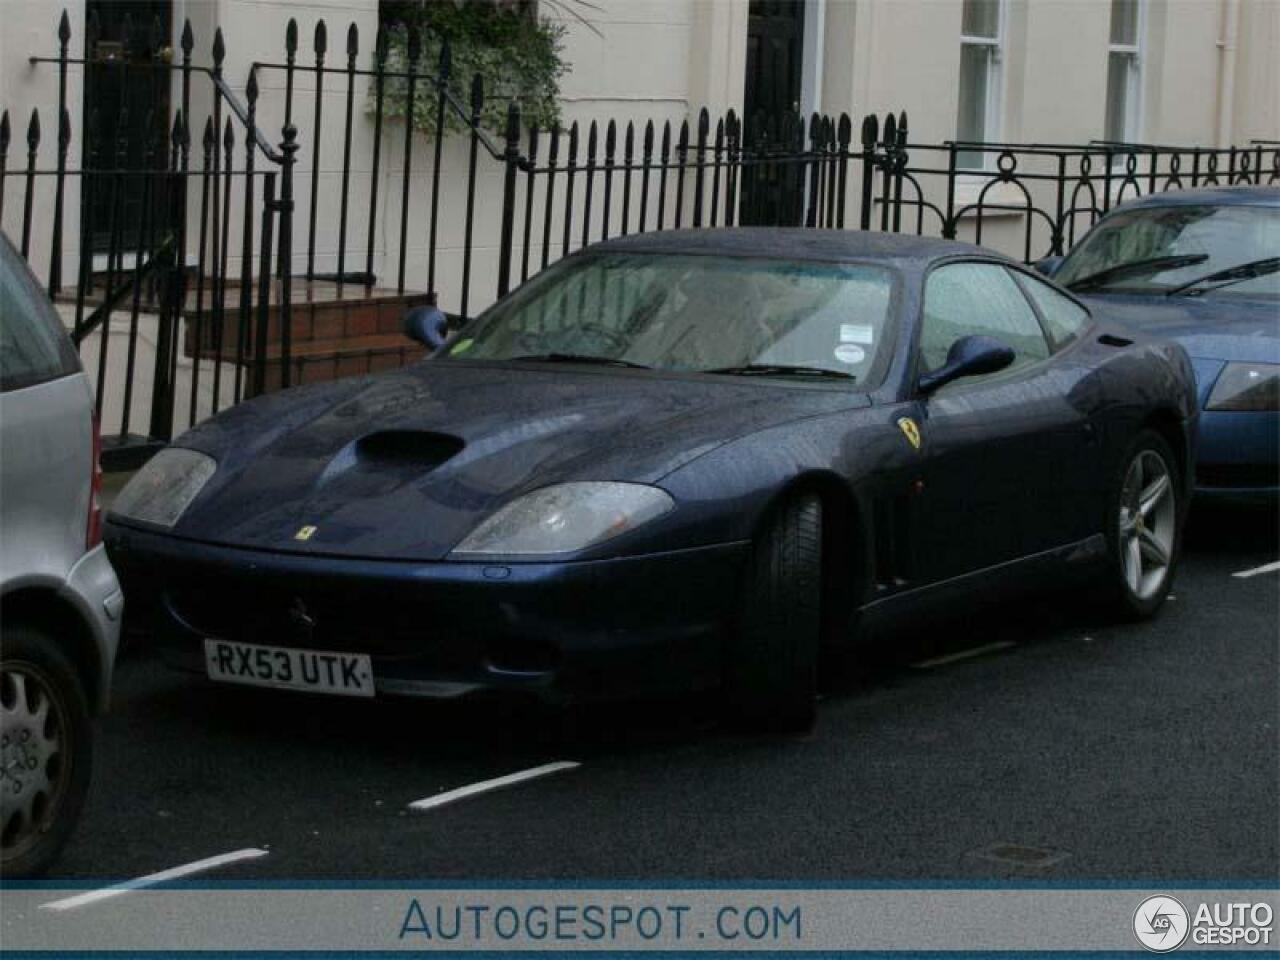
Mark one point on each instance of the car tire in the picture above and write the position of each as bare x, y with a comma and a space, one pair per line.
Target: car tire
46, 733
1143, 527
772, 666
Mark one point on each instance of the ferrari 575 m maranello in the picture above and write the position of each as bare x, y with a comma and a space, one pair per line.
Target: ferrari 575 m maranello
676, 461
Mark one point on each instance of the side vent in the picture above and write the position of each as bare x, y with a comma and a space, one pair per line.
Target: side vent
892, 517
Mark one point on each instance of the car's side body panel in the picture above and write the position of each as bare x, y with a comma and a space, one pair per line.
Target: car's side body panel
46, 477
45, 448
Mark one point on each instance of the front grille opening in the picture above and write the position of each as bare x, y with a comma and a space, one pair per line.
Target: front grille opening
521, 655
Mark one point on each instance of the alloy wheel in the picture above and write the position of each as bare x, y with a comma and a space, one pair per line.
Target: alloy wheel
1148, 523
35, 756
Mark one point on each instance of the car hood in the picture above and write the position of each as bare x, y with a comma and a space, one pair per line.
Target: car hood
1213, 327
403, 465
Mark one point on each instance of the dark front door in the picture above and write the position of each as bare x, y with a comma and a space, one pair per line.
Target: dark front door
773, 178
1009, 456
775, 45
126, 110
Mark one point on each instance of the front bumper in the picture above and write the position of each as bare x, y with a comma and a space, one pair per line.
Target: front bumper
91, 586
562, 631
1238, 456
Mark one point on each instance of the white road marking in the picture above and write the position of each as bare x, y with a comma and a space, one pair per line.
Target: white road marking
153, 879
484, 786
964, 655
1265, 568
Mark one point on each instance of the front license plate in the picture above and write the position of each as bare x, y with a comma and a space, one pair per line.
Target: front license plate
321, 671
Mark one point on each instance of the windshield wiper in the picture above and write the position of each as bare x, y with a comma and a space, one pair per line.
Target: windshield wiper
582, 358
1220, 278
780, 370
1135, 268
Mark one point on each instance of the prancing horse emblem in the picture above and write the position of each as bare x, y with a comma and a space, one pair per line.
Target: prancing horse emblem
910, 431
304, 533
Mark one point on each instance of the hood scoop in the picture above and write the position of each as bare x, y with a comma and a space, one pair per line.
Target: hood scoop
378, 463
417, 449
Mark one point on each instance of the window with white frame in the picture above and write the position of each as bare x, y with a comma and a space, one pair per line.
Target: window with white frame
981, 40
1124, 101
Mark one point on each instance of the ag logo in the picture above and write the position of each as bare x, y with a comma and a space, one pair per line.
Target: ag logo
910, 430
304, 533
1161, 923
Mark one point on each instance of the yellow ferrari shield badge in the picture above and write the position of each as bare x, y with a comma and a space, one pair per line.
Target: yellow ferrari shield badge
304, 533
910, 430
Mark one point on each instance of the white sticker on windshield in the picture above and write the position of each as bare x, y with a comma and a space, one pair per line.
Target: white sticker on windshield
848, 353
857, 333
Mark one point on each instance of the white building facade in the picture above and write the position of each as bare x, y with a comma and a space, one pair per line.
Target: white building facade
1180, 73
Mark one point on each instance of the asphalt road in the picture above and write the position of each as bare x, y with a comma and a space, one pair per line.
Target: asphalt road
1070, 750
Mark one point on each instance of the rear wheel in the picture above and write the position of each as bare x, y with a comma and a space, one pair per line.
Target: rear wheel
772, 664
1144, 527
45, 744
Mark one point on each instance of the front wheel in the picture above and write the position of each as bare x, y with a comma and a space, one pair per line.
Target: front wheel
1144, 527
771, 673
45, 734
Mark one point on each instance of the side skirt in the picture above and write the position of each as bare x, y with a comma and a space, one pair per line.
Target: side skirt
1057, 565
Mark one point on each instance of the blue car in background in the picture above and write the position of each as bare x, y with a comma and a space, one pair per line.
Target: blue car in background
1202, 267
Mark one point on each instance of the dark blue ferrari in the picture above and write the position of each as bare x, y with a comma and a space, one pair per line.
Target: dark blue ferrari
688, 460
1202, 267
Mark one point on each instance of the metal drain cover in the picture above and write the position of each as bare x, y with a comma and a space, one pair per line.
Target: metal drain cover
1019, 855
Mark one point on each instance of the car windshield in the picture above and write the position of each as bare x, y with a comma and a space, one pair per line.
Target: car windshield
723, 315
1157, 249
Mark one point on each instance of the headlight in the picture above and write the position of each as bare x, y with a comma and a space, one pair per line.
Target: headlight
165, 486
565, 518
1247, 386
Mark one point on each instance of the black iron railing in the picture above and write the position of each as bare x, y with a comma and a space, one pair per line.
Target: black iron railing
1041, 197
153, 252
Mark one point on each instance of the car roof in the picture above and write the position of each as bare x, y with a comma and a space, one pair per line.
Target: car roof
795, 243
1243, 196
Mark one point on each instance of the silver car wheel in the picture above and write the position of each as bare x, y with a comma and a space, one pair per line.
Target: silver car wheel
1148, 523
34, 766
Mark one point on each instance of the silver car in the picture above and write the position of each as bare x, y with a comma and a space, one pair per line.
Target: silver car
60, 604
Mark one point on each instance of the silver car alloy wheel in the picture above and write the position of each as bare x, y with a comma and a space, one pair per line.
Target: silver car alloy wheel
35, 766
1148, 523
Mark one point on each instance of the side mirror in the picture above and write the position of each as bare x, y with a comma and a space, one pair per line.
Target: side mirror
1047, 266
968, 357
427, 325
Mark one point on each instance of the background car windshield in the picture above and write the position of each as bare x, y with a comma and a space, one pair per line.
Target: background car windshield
694, 313
1228, 235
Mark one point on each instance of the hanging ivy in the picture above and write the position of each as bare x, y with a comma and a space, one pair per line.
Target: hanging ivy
517, 55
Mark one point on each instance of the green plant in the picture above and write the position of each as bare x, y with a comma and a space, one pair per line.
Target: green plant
517, 55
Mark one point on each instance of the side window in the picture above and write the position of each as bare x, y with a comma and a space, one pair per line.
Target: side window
1063, 317
964, 299
33, 345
